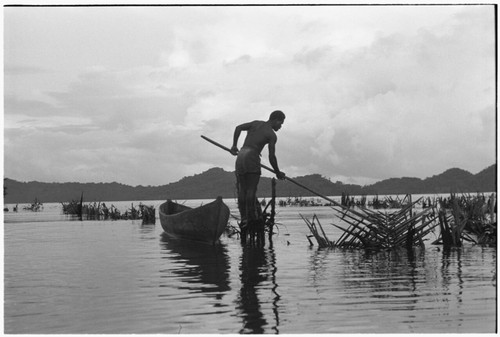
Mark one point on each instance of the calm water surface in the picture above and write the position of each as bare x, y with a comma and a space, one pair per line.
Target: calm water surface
72, 277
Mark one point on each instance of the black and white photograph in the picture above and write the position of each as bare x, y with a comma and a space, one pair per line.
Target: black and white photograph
250, 168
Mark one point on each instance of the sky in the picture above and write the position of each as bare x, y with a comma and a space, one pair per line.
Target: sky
123, 93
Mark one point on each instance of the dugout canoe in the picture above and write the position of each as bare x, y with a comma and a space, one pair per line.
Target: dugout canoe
205, 223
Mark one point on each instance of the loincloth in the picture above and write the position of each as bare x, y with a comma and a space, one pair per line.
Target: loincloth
248, 161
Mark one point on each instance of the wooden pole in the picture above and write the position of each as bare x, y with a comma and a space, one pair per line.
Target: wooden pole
80, 208
271, 170
273, 208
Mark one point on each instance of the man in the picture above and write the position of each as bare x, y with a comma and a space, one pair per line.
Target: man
259, 133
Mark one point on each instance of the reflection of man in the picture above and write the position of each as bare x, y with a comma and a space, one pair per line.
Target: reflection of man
259, 133
257, 274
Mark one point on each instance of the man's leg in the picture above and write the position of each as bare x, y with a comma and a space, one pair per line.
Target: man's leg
242, 190
252, 181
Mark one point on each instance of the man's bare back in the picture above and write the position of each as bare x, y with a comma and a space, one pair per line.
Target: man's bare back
259, 135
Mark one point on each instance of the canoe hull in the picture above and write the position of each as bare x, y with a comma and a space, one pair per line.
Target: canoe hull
205, 223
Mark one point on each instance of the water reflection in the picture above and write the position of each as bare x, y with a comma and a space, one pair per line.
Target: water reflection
319, 265
202, 268
450, 274
147, 231
258, 290
405, 280
386, 280
147, 228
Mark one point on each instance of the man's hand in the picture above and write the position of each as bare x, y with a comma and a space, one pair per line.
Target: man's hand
280, 175
234, 150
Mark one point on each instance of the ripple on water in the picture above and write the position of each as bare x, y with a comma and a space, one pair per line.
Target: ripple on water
121, 277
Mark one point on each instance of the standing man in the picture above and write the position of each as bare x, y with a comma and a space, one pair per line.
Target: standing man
259, 133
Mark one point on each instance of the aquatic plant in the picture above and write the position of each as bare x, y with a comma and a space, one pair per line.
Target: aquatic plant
349, 201
371, 229
460, 218
36, 206
301, 202
317, 232
99, 211
467, 218
390, 202
147, 214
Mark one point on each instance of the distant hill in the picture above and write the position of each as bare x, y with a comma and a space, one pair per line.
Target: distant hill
453, 180
216, 181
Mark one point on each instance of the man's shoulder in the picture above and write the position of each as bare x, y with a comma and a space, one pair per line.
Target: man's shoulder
257, 122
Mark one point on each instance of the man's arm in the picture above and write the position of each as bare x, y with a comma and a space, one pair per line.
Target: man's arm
237, 132
272, 158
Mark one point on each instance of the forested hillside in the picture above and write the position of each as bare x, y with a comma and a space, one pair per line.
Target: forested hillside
216, 181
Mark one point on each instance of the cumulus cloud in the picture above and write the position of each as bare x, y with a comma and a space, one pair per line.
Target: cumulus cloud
366, 97
405, 103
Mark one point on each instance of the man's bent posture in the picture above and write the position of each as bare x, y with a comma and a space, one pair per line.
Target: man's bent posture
259, 133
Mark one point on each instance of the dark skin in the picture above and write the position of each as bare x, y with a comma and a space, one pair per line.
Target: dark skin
259, 140
247, 183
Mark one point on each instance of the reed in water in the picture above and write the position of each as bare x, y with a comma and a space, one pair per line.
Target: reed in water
372, 229
461, 218
469, 218
99, 211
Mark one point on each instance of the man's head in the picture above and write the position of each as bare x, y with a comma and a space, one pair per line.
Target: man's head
276, 118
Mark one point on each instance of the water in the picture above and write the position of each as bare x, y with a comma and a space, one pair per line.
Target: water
73, 277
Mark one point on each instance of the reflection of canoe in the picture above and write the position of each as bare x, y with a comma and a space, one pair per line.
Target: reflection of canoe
205, 223
200, 267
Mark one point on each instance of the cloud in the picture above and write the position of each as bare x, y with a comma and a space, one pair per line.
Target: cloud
406, 103
365, 99
22, 70
128, 126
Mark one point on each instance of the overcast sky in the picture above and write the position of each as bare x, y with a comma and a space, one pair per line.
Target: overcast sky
103, 94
